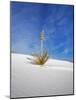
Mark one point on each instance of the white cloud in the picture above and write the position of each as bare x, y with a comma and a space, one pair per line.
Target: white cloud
66, 50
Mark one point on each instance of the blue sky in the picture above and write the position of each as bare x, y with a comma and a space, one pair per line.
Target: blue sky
29, 19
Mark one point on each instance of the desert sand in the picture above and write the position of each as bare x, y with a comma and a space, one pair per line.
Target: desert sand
55, 77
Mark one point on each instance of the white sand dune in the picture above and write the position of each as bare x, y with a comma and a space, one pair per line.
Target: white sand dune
27, 80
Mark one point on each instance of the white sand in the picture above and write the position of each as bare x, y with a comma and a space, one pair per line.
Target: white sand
54, 78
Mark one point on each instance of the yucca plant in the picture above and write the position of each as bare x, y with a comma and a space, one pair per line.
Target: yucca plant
39, 59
